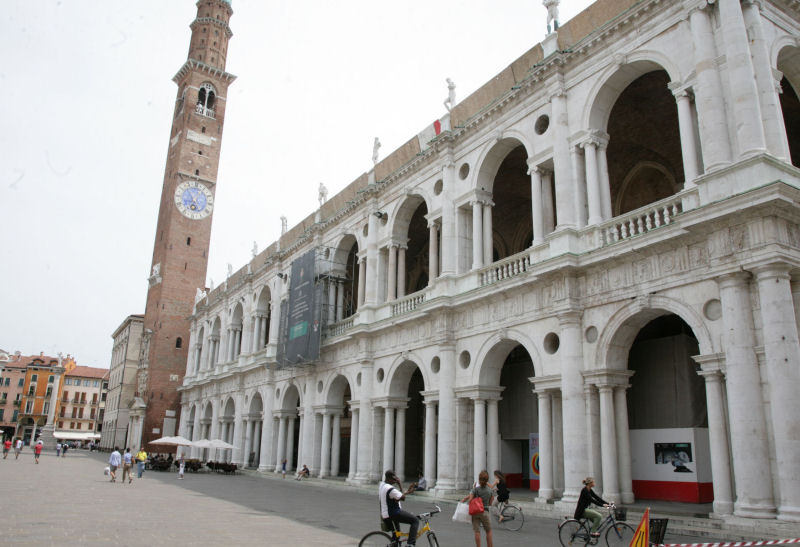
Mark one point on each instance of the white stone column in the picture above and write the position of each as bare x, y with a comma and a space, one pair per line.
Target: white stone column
711, 113
688, 144
400, 443
608, 436
392, 284
362, 275
746, 109
623, 445
371, 284
257, 427
479, 438
254, 338
238, 433
446, 446
433, 252
300, 440
548, 213
336, 442
376, 464
579, 176
605, 183
488, 235
388, 438
593, 183
771, 112
449, 242
430, 443
477, 235
274, 320
248, 440
537, 212
545, 447
558, 445
290, 443
565, 184
573, 405
354, 419
718, 441
262, 337
281, 443
749, 440
593, 467
316, 442
782, 350
325, 460
339, 301
493, 436
331, 301
401, 271
365, 433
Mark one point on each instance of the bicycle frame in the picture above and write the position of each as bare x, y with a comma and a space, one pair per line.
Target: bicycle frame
427, 528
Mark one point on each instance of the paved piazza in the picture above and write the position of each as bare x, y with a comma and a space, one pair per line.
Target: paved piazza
69, 501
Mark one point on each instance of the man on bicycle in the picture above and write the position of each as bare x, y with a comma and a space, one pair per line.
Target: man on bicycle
390, 494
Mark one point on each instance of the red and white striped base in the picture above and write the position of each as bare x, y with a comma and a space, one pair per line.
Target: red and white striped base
731, 543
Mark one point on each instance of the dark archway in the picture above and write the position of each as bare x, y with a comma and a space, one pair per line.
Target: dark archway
519, 417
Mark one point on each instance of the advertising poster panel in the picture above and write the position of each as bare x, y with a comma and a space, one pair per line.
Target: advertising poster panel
301, 333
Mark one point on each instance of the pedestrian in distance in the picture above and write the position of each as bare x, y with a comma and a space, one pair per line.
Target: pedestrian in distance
114, 461
141, 460
484, 492
17, 448
58, 449
127, 466
283, 468
181, 466
37, 450
6, 447
64, 448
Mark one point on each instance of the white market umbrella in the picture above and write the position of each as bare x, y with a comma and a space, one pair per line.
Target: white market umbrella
173, 441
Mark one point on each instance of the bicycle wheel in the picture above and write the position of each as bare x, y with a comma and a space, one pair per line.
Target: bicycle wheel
376, 539
571, 532
512, 518
619, 535
432, 541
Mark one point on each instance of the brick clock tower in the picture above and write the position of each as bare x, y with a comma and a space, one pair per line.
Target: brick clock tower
180, 252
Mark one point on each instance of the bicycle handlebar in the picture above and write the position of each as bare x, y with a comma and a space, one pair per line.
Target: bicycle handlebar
429, 514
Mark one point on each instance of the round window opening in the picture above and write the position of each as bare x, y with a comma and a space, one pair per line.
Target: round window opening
463, 172
380, 375
541, 125
713, 310
464, 359
358, 379
435, 365
319, 386
591, 335
551, 343
278, 393
365, 231
438, 186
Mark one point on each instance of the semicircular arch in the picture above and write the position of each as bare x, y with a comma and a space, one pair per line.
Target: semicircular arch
492, 156
493, 352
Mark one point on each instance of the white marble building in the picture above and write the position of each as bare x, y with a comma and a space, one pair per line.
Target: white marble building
600, 247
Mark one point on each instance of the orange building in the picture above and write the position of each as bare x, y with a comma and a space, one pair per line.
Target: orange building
79, 404
42, 376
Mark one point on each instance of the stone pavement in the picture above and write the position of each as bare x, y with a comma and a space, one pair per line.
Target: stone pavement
70, 501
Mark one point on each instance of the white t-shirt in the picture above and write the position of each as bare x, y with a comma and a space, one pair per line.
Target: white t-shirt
394, 493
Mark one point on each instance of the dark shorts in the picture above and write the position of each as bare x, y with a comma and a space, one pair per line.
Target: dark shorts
112, 467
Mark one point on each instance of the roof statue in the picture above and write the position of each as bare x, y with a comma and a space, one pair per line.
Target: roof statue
450, 101
230, 269
375, 147
323, 194
552, 14
254, 250
284, 225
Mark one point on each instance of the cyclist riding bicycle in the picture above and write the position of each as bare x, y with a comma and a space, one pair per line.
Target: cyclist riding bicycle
390, 493
587, 498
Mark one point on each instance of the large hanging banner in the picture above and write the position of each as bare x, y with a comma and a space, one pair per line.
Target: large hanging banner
300, 336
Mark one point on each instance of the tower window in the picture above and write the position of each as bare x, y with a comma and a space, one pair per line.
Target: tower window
200, 152
206, 99
188, 240
178, 343
203, 129
197, 171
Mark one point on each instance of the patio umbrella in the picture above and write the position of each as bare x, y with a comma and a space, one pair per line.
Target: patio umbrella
173, 441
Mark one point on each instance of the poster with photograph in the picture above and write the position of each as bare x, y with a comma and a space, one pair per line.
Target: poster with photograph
675, 454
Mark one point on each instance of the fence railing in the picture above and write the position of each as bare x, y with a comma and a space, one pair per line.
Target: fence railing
642, 220
506, 268
408, 303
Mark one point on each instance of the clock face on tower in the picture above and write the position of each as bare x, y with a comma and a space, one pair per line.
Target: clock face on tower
193, 199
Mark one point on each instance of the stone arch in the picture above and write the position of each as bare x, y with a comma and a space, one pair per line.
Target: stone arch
229, 408
290, 393
616, 78
621, 329
344, 272
263, 299
410, 226
787, 60
256, 403
493, 352
337, 385
625, 201
492, 156
400, 372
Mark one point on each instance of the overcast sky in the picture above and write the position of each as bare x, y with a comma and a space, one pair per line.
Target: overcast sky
86, 101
